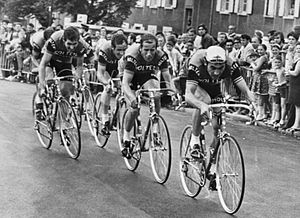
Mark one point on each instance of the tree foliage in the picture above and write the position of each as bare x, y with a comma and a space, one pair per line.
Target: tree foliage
110, 12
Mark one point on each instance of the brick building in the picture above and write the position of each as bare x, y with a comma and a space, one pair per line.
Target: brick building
247, 15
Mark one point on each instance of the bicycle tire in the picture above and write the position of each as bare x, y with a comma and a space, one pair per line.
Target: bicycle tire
188, 167
33, 103
101, 139
69, 130
132, 163
76, 102
88, 99
121, 110
160, 149
230, 176
43, 127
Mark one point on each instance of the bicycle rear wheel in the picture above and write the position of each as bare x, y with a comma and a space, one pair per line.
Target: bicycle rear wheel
133, 162
230, 175
190, 169
69, 130
100, 138
42, 126
89, 108
160, 149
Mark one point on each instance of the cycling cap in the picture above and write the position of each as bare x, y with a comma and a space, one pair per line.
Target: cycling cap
215, 54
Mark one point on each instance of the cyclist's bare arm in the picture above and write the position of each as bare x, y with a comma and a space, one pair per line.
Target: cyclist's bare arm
244, 88
201, 102
42, 67
127, 78
102, 74
167, 77
79, 67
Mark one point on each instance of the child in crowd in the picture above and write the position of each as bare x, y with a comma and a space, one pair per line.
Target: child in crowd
282, 88
275, 75
260, 84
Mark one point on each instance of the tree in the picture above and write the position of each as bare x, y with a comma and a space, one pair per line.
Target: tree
110, 12
20, 8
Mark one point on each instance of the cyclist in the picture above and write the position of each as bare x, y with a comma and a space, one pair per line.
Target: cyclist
207, 69
61, 47
109, 55
142, 63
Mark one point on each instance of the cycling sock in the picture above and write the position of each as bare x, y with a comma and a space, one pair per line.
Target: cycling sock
126, 136
105, 118
195, 140
155, 127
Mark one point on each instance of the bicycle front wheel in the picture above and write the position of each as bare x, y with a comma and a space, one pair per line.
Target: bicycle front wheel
120, 114
160, 149
190, 169
76, 101
100, 138
42, 126
89, 108
230, 175
69, 129
133, 162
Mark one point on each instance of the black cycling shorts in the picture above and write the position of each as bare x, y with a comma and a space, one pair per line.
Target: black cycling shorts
61, 69
140, 80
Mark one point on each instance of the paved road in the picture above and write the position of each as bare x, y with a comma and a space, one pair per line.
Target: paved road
36, 182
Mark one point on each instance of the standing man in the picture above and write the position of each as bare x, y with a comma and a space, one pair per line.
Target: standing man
231, 32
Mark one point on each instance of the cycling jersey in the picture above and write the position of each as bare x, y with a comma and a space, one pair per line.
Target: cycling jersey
197, 74
142, 70
56, 47
61, 57
107, 58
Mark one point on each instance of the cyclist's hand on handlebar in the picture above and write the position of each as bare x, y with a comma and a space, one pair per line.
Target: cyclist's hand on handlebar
42, 88
205, 111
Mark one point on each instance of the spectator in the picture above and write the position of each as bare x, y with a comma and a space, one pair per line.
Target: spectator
230, 52
260, 82
280, 83
231, 32
246, 50
175, 57
161, 40
222, 38
85, 34
294, 91
206, 39
256, 41
131, 39
191, 34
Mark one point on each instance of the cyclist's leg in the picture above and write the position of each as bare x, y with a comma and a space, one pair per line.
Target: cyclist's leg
202, 95
38, 100
104, 107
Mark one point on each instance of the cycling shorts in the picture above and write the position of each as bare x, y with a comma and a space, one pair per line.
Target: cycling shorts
139, 81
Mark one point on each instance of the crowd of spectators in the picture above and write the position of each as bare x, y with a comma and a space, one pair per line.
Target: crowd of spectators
270, 63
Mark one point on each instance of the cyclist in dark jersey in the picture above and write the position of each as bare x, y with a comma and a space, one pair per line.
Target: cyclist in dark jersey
207, 70
59, 50
142, 64
109, 55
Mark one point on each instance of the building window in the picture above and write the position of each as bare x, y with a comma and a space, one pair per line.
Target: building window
225, 6
270, 8
153, 3
140, 3
169, 4
243, 7
289, 8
